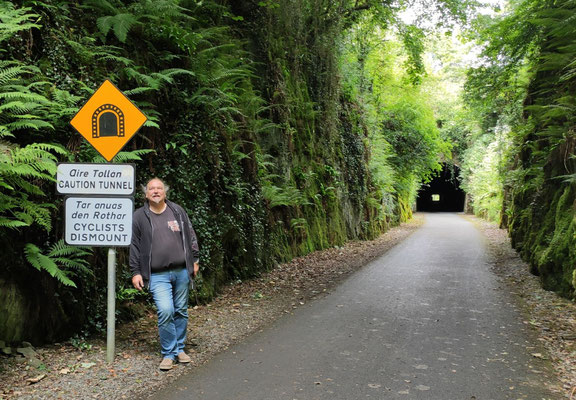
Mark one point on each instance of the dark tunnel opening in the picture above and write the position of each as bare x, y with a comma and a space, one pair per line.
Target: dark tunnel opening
442, 193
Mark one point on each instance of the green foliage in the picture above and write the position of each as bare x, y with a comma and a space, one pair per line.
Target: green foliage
22, 108
124, 156
128, 293
22, 169
412, 133
80, 342
60, 261
406, 144
14, 20
524, 95
287, 196
483, 175
119, 23
412, 38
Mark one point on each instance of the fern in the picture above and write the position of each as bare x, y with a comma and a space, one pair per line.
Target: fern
152, 123
125, 156
102, 5
24, 108
19, 107
286, 196
299, 223
7, 72
59, 256
29, 123
21, 94
138, 90
5, 132
24, 186
14, 20
167, 74
12, 223
115, 59
120, 24
142, 79
71, 257
19, 170
154, 81
39, 213
161, 9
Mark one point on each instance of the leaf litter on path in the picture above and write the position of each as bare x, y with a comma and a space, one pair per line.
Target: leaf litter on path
548, 315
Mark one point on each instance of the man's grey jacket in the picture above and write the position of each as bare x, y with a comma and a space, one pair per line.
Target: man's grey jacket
141, 245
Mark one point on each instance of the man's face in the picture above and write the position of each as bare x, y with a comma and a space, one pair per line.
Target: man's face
155, 191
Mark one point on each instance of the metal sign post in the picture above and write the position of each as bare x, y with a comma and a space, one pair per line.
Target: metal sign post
111, 314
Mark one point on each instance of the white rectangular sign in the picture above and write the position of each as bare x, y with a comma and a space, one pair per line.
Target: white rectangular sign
99, 221
99, 179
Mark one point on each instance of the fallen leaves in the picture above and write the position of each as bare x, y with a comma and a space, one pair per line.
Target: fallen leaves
550, 316
37, 379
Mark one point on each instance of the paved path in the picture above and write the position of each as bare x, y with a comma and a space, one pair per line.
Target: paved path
428, 320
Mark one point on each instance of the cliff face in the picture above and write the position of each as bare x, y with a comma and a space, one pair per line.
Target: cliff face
248, 123
520, 168
541, 212
541, 205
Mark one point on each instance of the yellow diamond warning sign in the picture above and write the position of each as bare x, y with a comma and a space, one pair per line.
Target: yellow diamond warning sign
108, 120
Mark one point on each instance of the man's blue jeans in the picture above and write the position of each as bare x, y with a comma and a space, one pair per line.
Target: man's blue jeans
170, 291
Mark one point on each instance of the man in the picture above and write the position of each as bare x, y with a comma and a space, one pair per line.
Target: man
164, 257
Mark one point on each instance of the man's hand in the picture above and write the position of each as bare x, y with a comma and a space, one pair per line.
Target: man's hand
196, 268
138, 282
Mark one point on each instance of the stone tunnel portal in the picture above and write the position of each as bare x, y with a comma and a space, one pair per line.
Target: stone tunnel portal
442, 193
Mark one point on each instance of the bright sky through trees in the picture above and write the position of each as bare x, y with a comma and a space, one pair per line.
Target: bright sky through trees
420, 14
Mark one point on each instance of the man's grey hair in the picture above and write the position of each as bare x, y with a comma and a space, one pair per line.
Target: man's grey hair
145, 187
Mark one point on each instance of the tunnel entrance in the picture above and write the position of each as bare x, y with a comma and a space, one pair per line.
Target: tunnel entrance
442, 193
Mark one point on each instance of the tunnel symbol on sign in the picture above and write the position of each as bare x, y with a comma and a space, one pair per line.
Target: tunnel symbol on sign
107, 120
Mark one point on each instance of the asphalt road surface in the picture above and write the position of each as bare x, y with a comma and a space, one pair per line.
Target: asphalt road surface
428, 320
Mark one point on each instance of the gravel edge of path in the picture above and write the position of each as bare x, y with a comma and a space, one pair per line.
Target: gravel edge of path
552, 318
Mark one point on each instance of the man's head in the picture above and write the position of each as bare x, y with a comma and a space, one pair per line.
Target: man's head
156, 191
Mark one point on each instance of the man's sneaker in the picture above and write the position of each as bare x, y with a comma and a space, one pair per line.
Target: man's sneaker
184, 358
166, 364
